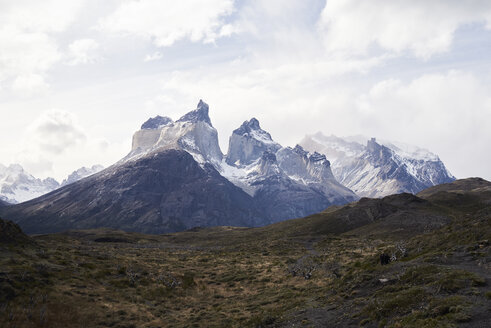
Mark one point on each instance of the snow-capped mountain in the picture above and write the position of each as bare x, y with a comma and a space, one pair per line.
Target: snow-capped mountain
176, 177
82, 173
377, 169
193, 133
17, 185
286, 182
168, 182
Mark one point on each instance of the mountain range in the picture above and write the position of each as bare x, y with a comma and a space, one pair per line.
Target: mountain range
17, 185
374, 168
176, 177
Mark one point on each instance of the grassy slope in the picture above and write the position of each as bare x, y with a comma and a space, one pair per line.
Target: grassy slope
234, 277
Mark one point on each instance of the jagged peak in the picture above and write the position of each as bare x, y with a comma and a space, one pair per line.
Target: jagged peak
373, 146
248, 126
156, 122
317, 157
252, 129
253, 123
200, 114
300, 151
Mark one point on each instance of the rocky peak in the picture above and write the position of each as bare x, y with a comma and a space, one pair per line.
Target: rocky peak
156, 122
300, 151
316, 158
82, 173
373, 146
248, 126
200, 114
251, 129
248, 143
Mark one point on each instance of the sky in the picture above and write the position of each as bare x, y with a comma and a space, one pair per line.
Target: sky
79, 77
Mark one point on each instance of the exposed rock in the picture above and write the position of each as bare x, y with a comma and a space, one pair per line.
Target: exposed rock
193, 133
156, 122
248, 143
200, 114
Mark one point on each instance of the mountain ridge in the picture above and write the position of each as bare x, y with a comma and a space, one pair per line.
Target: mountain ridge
378, 169
257, 182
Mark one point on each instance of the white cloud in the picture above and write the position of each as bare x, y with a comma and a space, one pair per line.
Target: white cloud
29, 85
422, 27
55, 144
165, 22
54, 132
83, 51
28, 45
155, 56
301, 94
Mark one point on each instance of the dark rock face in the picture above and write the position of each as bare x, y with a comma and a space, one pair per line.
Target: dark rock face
200, 114
3, 203
281, 198
156, 122
165, 192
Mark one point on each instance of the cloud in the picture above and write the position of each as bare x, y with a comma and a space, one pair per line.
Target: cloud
55, 131
55, 144
29, 85
449, 113
166, 22
155, 56
299, 94
422, 27
82, 51
27, 36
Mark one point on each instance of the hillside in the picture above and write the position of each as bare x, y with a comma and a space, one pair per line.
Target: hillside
11, 234
139, 196
322, 270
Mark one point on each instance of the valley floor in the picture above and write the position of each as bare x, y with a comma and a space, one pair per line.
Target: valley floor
235, 277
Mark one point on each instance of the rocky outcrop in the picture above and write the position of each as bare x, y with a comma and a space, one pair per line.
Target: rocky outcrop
156, 122
248, 143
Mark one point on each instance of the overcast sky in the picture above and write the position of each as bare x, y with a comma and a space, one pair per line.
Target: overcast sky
78, 78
